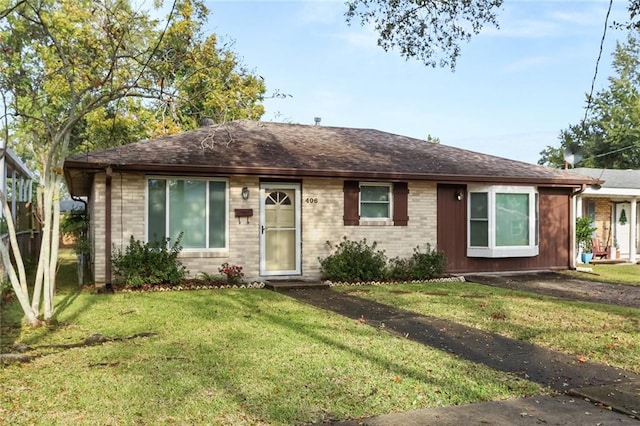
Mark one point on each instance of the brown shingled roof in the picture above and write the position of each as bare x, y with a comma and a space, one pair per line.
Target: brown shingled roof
288, 150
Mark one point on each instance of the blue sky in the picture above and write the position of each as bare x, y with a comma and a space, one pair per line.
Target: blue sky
513, 89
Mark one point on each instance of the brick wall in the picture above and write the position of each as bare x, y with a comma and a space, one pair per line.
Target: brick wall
321, 222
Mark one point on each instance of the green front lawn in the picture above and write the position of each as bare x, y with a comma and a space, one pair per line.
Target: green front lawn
226, 357
601, 333
617, 273
258, 357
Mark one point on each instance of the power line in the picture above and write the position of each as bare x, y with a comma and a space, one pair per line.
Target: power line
595, 73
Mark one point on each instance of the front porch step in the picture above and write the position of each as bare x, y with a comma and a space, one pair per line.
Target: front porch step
287, 285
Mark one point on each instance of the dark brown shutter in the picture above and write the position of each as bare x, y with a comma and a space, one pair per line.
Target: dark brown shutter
351, 201
400, 204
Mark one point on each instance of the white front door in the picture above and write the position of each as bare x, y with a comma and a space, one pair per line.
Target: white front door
280, 229
623, 228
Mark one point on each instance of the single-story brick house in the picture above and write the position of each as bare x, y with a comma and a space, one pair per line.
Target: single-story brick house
268, 196
614, 210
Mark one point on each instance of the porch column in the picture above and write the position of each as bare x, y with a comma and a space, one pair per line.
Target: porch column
633, 231
3, 175
107, 227
578, 207
14, 201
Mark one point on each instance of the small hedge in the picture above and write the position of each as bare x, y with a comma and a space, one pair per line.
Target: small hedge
358, 261
354, 261
152, 263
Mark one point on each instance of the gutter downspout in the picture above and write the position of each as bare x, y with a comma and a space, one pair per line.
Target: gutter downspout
573, 215
107, 230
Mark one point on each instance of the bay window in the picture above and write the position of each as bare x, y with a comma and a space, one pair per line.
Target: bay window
197, 208
503, 221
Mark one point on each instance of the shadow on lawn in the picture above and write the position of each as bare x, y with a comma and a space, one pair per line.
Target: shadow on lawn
12, 324
330, 337
546, 367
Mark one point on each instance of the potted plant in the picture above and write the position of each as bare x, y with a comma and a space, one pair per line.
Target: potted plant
584, 233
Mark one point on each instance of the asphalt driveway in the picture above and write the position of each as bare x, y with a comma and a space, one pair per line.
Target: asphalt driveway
583, 392
558, 285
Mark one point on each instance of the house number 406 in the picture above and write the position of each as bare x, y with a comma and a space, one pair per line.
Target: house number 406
310, 200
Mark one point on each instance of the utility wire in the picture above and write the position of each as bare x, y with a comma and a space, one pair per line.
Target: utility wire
595, 73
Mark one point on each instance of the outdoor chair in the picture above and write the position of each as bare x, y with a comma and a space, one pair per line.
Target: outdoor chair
598, 250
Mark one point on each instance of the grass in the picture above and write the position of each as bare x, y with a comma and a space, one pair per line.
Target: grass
616, 273
226, 357
601, 333
255, 357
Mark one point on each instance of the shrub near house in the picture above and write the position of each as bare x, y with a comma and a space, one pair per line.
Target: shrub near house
358, 261
149, 263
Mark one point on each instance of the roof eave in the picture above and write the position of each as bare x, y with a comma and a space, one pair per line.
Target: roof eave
190, 170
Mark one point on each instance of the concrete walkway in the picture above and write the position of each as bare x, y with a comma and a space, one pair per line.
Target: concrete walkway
616, 392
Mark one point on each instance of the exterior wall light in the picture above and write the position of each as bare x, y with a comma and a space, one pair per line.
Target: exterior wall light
459, 195
245, 193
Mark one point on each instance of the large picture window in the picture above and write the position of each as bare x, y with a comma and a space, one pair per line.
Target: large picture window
375, 201
196, 208
503, 221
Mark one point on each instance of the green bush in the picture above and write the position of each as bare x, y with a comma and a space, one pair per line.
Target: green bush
401, 269
358, 261
150, 263
430, 264
76, 223
354, 261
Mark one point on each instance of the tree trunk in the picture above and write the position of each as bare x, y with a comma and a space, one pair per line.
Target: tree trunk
23, 298
15, 248
37, 285
45, 247
55, 242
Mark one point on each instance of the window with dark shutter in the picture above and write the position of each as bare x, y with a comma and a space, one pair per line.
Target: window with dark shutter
351, 203
400, 204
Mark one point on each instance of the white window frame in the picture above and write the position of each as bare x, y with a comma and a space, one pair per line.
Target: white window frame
167, 214
492, 250
389, 187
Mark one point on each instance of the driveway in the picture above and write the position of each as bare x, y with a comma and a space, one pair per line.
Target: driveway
564, 287
577, 385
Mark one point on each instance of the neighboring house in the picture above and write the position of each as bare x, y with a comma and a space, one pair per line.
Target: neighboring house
613, 208
16, 182
269, 196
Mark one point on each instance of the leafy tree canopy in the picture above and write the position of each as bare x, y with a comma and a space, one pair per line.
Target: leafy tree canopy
80, 75
430, 31
610, 136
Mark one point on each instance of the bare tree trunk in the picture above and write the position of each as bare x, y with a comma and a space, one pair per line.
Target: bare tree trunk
55, 242
45, 250
23, 297
15, 248
37, 285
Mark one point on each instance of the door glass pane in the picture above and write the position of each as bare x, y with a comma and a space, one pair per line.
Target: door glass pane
217, 214
157, 210
512, 219
280, 231
280, 250
187, 212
